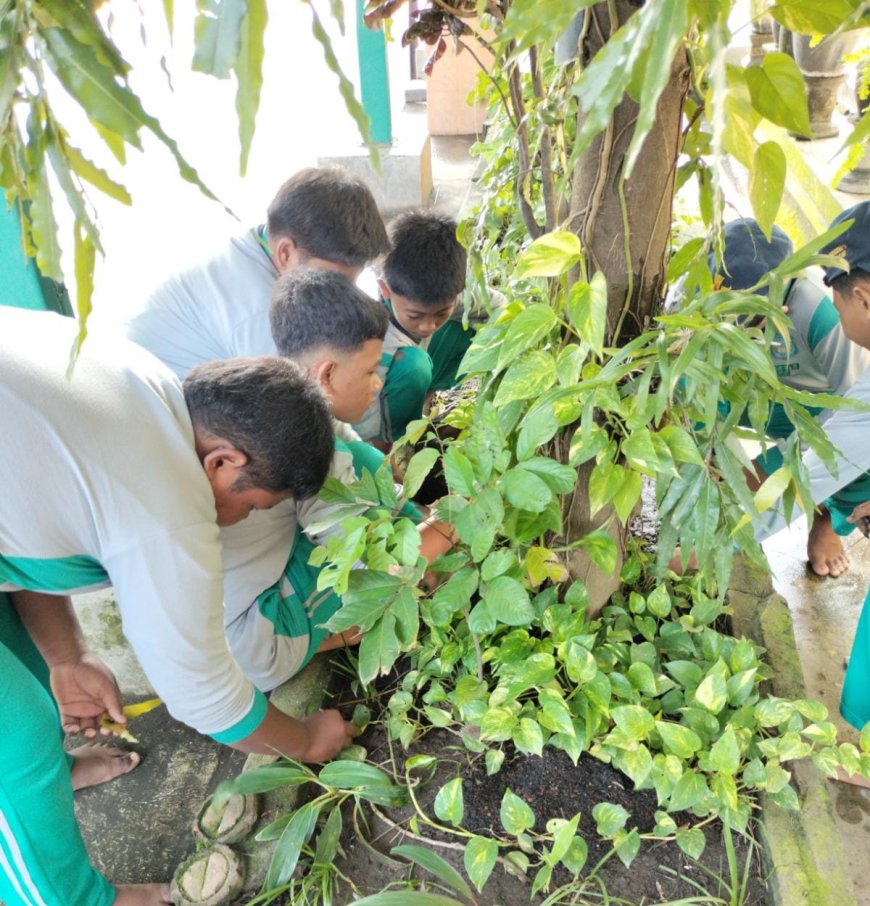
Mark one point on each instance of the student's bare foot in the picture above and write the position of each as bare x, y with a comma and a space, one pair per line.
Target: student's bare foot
854, 779
142, 895
825, 549
94, 764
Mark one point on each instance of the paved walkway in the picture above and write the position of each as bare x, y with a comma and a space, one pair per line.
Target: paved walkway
825, 613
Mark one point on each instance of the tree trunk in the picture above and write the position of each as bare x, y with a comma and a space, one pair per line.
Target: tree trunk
626, 240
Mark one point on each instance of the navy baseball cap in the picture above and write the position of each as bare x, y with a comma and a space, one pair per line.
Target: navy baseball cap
854, 244
748, 256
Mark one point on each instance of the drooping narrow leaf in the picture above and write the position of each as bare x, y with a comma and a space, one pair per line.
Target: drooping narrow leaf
299, 829
249, 73
217, 35
85, 252
42, 225
345, 88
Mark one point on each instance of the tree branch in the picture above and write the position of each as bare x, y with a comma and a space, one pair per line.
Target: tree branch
548, 182
516, 93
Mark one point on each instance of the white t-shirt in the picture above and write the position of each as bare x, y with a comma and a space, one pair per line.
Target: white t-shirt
105, 487
215, 310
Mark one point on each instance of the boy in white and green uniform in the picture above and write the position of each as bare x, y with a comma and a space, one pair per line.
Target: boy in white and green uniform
274, 613
320, 218
817, 358
118, 475
422, 277
848, 431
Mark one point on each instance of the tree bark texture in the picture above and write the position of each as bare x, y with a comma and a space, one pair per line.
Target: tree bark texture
625, 231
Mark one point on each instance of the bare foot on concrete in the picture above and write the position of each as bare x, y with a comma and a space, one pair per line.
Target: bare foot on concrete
825, 549
142, 895
854, 779
94, 764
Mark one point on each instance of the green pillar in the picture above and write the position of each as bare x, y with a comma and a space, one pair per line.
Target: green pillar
374, 81
21, 284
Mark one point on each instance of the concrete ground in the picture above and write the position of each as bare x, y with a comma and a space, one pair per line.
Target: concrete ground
824, 615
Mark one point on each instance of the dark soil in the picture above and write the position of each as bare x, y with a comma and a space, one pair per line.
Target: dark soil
554, 788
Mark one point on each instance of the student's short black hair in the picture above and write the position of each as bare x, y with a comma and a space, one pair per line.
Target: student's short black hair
845, 283
313, 308
331, 214
268, 408
426, 262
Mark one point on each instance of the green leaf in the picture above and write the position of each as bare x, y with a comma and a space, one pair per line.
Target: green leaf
587, 311
249, 73
712, 693
97, 177
527, 737
479, 859
601, 549
497, 724
526, 330
560, 478
516, 816
433, 863
508, 601
766, 184
400, 897
289, 847
575, 858
550, 255
627, 846
691, 841
526, 491
379, 649
479, 521
812, 17
418, 468
678, 740
609, 818
539, 21
85, 254
690, 790
449, 804
778, 92
659, 602
263, 780
725, 753
329, 837
528, 378
453, 595
459, 472
580, 664
636, 763
772, 489
666, 32
494, 759
626, 497
345, 89
556, 714
635, 721
217, 36
681, 445
345, 775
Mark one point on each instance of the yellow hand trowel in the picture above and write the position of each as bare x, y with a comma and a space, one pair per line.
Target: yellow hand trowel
130, 711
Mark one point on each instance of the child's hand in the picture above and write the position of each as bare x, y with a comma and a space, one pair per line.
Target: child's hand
861, 517
329, 733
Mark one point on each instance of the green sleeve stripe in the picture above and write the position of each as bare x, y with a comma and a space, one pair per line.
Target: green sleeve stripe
52, 574
247, 724
825, 319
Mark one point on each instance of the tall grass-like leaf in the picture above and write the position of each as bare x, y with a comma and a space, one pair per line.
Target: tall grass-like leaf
217, 33
345, 88
297, 833
41, 223
85, 252
106, 101
249, 73
433, 863
407, 898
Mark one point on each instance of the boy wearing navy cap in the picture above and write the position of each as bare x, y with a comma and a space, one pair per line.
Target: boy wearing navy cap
817, 357
848, 432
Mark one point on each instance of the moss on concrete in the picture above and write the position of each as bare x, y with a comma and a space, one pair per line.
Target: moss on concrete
802, 849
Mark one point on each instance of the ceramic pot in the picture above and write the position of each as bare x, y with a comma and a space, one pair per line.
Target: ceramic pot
824, 74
